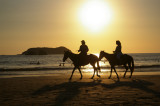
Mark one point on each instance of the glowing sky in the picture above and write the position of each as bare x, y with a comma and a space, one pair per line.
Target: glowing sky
52, 23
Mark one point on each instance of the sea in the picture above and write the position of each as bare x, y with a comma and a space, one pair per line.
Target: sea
46, 65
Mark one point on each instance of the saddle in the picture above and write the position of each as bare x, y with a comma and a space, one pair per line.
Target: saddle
83, 58
119, 60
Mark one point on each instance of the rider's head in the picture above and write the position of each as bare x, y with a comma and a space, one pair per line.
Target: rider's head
83, 42
118, 43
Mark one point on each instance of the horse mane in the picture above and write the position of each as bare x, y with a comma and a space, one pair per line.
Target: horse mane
105, 52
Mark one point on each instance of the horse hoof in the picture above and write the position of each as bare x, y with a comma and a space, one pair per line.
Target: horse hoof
80, 78
91, 77
109, 77
98, 75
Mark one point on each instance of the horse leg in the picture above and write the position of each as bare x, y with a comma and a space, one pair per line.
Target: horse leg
116, 72
94, 71
97, 74
72, 73
129, 64
93, 74
80, 72
110, 73
125, 71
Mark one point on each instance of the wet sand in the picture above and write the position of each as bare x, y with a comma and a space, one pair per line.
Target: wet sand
58, 90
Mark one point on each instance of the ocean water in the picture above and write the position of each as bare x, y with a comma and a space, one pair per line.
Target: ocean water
13, 65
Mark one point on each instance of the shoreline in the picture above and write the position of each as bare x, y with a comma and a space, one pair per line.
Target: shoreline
103, 73
69, 68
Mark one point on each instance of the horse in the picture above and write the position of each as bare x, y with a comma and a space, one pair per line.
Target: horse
81, 60
113, 61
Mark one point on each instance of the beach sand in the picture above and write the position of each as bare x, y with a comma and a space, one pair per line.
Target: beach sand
58, 90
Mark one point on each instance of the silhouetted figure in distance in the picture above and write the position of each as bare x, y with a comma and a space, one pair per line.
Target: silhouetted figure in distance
118, 51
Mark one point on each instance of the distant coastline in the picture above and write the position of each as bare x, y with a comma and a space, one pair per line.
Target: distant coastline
45, 51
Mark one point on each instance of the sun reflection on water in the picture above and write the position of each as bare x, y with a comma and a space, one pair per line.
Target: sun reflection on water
91, 70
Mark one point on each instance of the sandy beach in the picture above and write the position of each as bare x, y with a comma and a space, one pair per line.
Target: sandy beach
58, 90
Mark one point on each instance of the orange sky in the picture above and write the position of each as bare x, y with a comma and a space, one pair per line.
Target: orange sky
52, 23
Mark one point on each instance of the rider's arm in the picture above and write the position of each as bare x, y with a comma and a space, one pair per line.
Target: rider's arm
79, 49
87, 49
116, 50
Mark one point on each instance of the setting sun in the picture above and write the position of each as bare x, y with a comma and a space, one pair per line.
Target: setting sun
95, 15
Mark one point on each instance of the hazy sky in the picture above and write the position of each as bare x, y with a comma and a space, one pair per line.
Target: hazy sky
52, 23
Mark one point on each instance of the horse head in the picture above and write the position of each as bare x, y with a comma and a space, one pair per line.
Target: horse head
66, 55
101, 55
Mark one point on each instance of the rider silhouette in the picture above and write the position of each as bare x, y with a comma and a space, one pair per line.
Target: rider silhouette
83, 49
118, 51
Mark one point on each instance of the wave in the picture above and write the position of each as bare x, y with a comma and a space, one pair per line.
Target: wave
69, 68
148, 66
142, 66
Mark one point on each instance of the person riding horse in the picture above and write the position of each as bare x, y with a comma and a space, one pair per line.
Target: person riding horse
82, 59
118, 52
83, 48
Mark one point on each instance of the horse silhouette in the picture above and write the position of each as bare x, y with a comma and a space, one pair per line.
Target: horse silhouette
113, 61
82, 60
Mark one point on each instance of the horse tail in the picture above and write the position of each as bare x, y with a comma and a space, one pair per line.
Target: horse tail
132, 61
95, 59
98, 67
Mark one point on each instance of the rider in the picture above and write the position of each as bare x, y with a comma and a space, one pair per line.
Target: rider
118, 51
83, 48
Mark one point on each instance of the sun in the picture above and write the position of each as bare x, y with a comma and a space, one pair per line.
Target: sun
95, 15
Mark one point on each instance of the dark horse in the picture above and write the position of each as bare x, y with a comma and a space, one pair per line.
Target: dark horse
113, 61
79, 61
